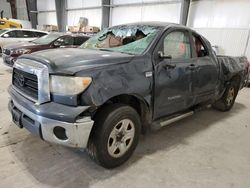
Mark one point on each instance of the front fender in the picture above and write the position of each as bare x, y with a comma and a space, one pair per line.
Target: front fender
120, 79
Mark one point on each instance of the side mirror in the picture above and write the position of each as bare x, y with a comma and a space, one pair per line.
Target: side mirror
6, 35
163, 56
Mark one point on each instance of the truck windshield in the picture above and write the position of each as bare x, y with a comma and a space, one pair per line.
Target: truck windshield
132, 39
47, 39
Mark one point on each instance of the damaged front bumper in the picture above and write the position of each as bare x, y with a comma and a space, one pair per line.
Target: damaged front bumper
52, 122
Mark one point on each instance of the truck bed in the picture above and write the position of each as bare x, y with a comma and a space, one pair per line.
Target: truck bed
232, 66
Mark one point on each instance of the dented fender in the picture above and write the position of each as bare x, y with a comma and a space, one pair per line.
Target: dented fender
130, 78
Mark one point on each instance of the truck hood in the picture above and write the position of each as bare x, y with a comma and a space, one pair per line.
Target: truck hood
72, 60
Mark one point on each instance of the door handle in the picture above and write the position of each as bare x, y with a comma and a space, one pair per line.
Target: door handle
169, 66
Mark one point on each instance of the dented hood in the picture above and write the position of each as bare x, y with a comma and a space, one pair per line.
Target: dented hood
72, 60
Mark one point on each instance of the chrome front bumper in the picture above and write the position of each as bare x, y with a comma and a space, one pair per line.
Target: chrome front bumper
75, 134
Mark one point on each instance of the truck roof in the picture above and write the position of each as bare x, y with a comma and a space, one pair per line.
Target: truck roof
153, 23
157, 24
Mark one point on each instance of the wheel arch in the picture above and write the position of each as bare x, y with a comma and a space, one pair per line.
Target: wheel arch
138, 103
236, 79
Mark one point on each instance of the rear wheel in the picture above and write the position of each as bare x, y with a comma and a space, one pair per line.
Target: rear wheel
115, 135
226, 102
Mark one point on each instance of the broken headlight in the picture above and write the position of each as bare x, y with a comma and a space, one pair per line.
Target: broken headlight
68, 85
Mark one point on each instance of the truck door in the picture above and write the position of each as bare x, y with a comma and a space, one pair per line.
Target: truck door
205, 74
172, 58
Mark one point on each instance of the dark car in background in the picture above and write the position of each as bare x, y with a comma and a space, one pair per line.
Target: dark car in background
52, 40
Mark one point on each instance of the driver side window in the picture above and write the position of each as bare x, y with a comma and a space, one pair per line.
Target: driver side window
177, 45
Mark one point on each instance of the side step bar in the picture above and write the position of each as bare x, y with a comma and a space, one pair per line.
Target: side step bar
166, 121
172, 120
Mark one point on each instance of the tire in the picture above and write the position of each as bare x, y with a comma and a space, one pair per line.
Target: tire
226, 102
115, 135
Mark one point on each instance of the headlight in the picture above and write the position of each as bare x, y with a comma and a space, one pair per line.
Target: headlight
67, 85
20, 51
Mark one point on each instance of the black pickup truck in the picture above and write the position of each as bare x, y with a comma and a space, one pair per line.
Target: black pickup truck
123, 81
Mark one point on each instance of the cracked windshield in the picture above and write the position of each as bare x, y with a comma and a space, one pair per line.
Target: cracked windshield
131, 39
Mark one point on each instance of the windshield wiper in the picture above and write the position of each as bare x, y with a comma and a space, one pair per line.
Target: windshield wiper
126, 53
105, 49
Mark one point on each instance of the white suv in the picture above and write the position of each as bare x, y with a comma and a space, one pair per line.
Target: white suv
8, 36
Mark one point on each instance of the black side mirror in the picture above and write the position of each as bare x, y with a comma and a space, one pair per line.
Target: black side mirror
163, 56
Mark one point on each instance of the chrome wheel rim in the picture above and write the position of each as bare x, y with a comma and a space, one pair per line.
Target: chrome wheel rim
121, 138
230, 96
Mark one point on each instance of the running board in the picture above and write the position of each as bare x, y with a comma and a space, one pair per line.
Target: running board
172, 120
166, 121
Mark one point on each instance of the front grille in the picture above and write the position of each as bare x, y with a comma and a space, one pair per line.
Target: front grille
31, 79
25, 82
6, 51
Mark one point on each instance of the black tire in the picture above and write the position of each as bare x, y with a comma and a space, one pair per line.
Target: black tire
106, 120
226, 102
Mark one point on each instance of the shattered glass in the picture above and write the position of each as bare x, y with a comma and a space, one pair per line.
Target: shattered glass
130, 39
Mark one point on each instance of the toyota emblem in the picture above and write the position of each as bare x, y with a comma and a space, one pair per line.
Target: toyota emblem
20, 80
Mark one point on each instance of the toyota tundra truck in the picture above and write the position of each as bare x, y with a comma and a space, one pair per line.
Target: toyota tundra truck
124, 81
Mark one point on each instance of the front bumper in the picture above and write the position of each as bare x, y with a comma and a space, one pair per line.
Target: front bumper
56, 130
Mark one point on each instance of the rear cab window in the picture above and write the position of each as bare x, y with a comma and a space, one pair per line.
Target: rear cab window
200, 49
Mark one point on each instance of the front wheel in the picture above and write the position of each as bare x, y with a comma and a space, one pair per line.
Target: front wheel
115, 135
226, 102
